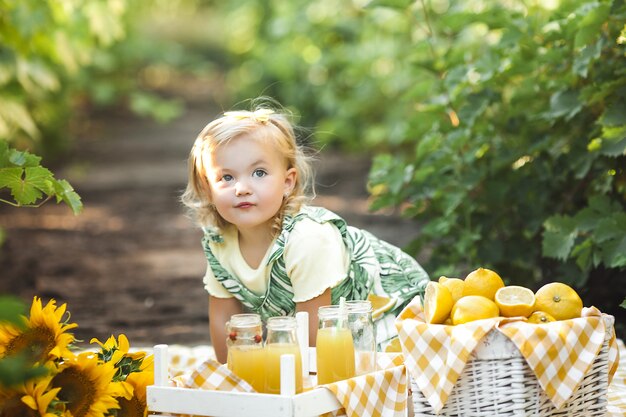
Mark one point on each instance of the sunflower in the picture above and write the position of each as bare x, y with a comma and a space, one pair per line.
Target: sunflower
116, 350
31, 399
125, 362
137, 405
86, 386
44, 336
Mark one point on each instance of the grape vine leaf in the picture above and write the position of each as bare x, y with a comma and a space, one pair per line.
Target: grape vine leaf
27, 185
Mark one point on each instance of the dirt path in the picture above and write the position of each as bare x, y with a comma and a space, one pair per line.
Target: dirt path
132, 262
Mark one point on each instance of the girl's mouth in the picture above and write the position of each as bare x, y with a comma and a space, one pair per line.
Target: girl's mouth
244, 205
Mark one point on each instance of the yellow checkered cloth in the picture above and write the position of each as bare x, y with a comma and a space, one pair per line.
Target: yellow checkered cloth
212, 375
376, 394
617, 390
381, 393
559, 353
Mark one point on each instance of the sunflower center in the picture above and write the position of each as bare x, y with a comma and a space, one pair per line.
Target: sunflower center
77, 391
35, 342
130, 408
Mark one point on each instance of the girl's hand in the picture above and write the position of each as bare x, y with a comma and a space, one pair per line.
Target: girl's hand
220, 310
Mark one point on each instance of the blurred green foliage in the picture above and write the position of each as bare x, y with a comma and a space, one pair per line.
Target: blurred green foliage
498, 126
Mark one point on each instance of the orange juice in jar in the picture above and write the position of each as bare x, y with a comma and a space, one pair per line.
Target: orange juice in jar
334, 346
248, 362
246, 355
281, 339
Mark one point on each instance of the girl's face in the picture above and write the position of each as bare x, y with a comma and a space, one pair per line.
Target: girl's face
249, 179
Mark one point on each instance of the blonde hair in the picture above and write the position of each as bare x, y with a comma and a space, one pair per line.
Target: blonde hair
264, 124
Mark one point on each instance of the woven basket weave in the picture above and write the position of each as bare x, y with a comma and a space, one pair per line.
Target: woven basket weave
497, 381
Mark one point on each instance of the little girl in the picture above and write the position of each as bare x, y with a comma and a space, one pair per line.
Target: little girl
268, 251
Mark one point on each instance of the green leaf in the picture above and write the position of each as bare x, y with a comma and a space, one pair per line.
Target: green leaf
16, 114
614, 253
623, 305
607, 229
24, 159
587, 219
583, 254
564, 104
602, 205
589, 27
27, 184
11, 308
151, 105
559, 236
614, 114
4, 154
613, 148
66, 193
394, 4
40, 178
582, 60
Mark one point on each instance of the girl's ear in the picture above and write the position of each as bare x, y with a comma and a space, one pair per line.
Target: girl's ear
290, 181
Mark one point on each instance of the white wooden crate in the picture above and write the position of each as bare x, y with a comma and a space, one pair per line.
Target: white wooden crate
164, 398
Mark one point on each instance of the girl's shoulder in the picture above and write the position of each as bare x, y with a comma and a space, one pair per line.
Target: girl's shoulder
318, 214
312, 222
215, 235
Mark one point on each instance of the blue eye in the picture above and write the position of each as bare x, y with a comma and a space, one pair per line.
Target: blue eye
259, 173
227, 177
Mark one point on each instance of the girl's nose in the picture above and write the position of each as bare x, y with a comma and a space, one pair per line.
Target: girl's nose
241, 188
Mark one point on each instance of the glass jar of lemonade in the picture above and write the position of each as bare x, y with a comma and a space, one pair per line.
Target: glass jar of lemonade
246, 355
281, 339
334, 346
363, 335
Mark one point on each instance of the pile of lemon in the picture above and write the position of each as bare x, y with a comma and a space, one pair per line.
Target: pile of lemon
482, 295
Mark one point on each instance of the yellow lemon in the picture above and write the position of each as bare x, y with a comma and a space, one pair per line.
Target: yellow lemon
380, 305
559, 300
515, 301
394, 346
437, 303
483, 282
540, 317
473, 307
455, 285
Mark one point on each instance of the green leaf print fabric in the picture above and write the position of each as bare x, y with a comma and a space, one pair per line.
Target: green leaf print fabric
375, 267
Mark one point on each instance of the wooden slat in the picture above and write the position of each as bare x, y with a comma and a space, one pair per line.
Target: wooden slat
231, 404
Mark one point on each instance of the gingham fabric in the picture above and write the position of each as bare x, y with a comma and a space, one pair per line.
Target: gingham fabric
377, 394
185, 360
213, 375
435, 355
381, 393
559, 353
617, 389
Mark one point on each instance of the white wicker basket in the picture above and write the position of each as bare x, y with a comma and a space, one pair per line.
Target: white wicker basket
497, 381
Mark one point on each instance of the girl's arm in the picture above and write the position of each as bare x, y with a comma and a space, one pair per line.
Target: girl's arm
220, 310
311, 306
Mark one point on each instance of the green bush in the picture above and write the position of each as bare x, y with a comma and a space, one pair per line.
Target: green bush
57, 60
498, 126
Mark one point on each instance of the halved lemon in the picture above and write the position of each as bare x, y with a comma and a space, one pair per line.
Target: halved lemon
559, 300
437, 303
380, 305
540, 317
515, 301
